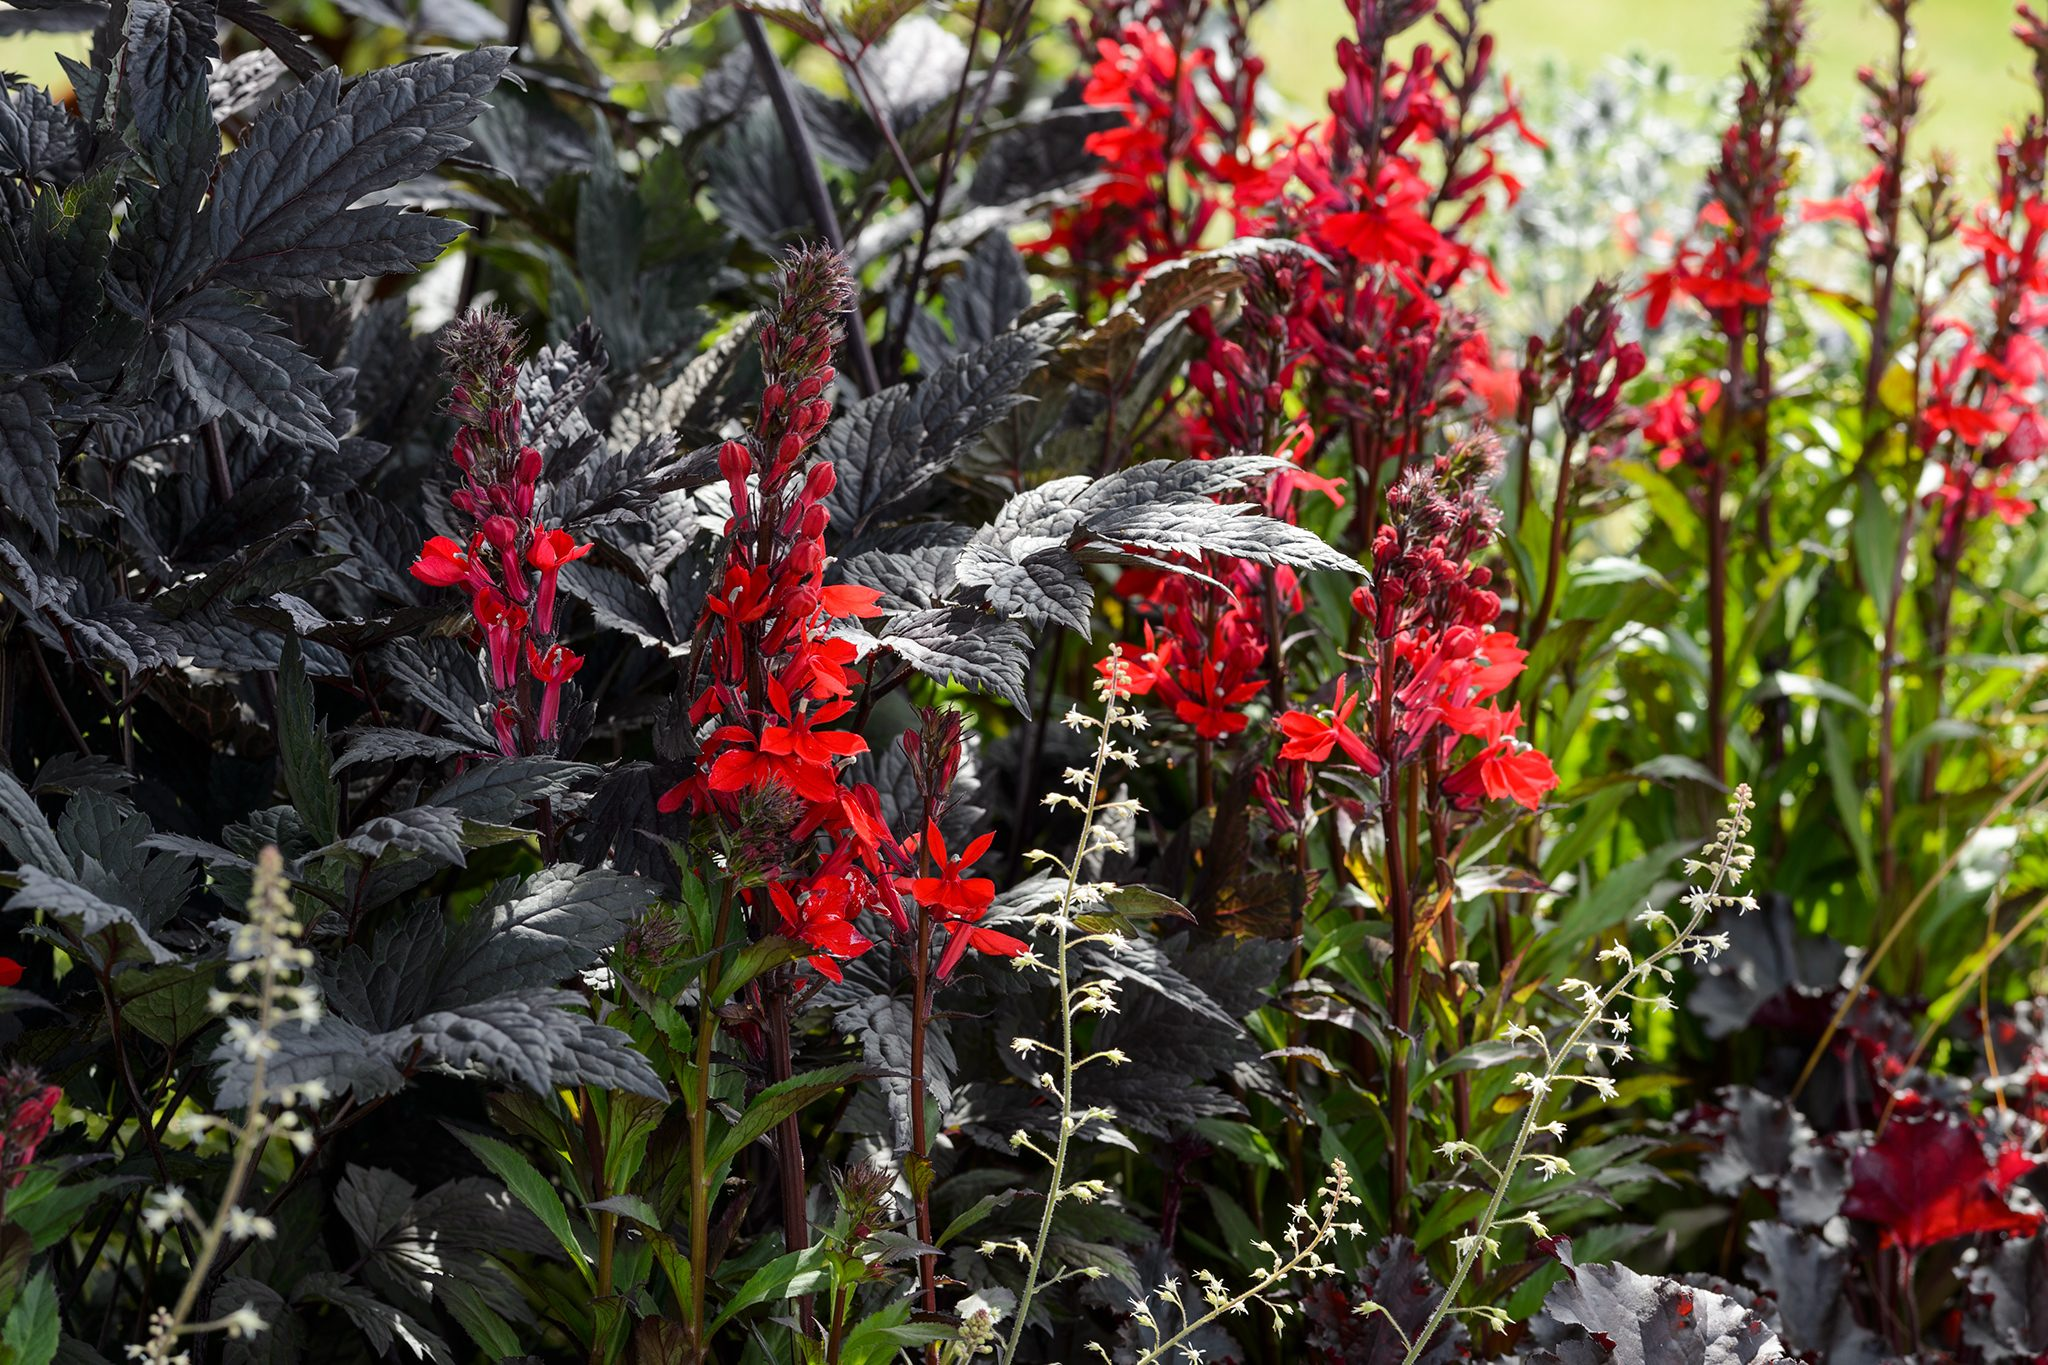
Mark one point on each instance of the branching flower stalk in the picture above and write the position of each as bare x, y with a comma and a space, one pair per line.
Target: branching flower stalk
1726, 860
1098, 836
266, 965
1309, 1231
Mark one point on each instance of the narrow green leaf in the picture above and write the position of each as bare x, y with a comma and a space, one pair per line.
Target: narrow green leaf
532, 1189
776, 1103
302, 749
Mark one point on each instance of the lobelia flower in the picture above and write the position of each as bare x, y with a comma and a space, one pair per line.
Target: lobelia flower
1311, 739
499, 492
550, 550
551, 670
444, 564
10, 972
958, 902
823, 920
504, 624
27, 1108
1507, 768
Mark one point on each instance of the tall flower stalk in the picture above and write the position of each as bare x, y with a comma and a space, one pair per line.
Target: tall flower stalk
266, 965
1726, 860
510, 561
1076, 998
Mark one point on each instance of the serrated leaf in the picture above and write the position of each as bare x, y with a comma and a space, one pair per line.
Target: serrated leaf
435, 831
168, 53
966, 646
85, 912
32, 1329
539, 1039
337, 1054
302, 749
29, 458
234, 361
555, 926
281, 217
389, 744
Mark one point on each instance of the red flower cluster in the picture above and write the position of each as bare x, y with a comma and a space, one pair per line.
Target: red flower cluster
1726, 270
958, 903
509, 565
1673, 426
1186, 114
27, 1107
766, 676
1438, 662
1981, 418
769, 680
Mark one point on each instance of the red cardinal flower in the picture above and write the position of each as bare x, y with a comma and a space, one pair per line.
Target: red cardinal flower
10, 972
1928, 1181
949, 892
794, 754
822, 920
960, 902
548, 553
1311, 739
1506, 769
26, 1109
503, 625
848, 599
443, 564
551, 669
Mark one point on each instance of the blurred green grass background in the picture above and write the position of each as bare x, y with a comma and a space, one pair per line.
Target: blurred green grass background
1976, 69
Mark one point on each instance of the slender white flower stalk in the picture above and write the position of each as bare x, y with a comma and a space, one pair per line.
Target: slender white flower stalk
1076, 997
266, 968
1309, 1231
1726, 860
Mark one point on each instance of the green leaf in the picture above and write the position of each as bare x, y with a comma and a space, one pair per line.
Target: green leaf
1128, 905
530, 1188
1875, 535
753, 960
974, 1214
480, 1320
302, 749
30, 1334
776, 1103
167, 1004
788, 1276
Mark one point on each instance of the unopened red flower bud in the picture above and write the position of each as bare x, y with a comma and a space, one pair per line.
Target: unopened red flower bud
816, 519
820, 482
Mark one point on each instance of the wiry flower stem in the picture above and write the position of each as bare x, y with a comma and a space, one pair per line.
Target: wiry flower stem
1090, 805
267, 948
1729, 858
1307, 1235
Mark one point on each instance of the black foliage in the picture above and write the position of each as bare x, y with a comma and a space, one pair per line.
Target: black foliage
223, 439
1610, 1313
